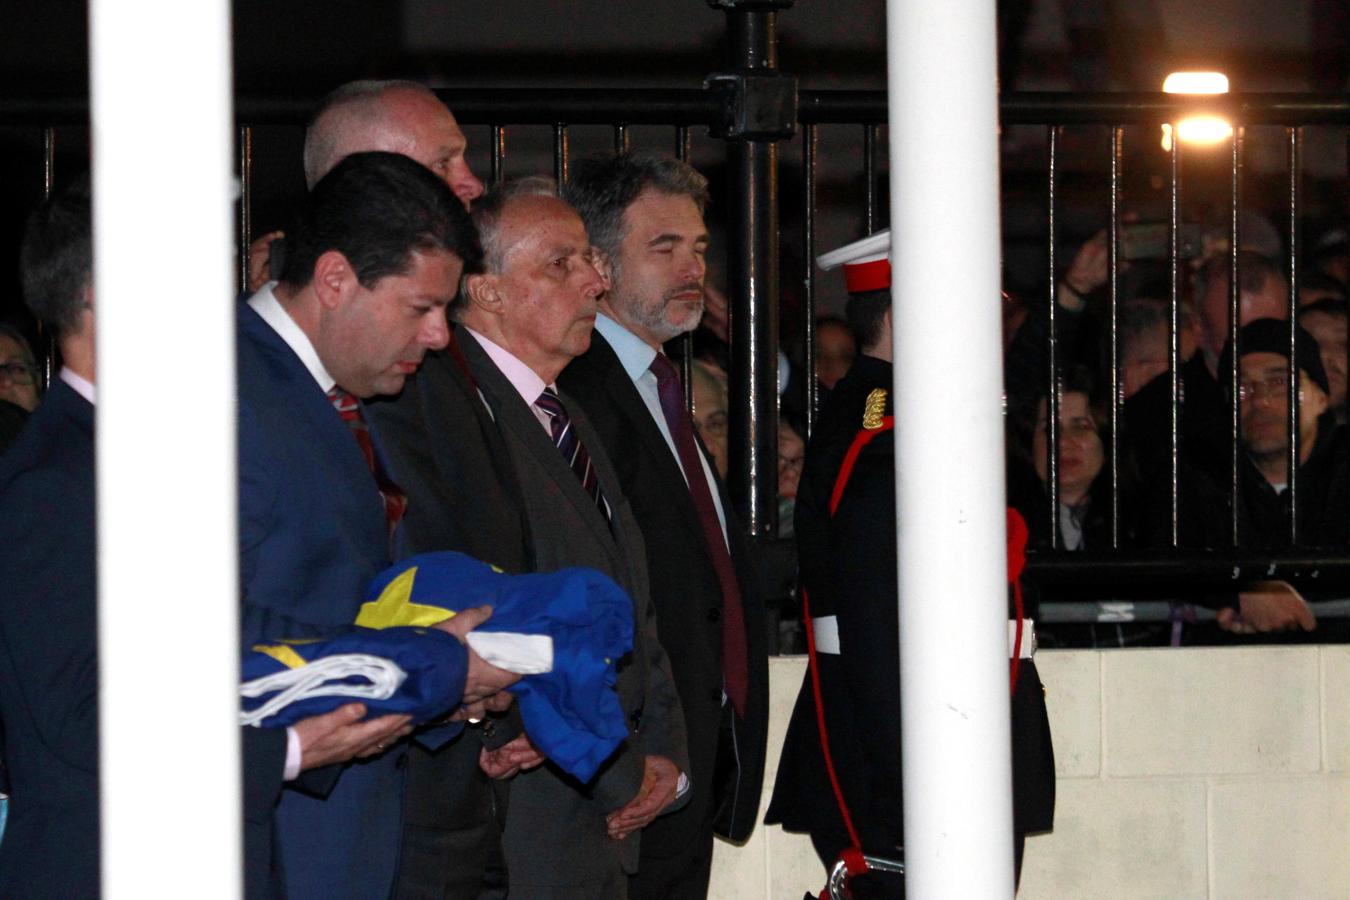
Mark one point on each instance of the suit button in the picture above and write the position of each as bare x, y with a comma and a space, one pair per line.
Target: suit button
715, 695
715, 614
636, 719
402, 761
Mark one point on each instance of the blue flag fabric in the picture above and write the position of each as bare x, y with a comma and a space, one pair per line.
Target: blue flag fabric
572, 712
410, 671
394, 663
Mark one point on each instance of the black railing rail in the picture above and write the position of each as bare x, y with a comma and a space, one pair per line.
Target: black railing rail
754, 239
694, 106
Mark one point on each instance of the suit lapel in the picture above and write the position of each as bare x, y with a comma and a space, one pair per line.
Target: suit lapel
621, 389
334, 444
519, 425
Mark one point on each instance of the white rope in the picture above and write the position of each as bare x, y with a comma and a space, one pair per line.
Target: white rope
323, 678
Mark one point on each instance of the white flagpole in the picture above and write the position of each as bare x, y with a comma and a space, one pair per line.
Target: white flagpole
160, 80
949, 448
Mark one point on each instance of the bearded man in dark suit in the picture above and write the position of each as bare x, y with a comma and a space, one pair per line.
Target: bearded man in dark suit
644, 215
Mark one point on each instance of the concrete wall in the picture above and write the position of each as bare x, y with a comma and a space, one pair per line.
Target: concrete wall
1197, 773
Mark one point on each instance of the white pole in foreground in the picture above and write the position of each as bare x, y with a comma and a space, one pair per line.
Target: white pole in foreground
949, 448
163, 289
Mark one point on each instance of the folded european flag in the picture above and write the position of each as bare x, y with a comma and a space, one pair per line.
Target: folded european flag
564, 630
571, 712
409, 671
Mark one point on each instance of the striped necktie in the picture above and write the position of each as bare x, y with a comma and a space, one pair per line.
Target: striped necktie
567, 441
395, 501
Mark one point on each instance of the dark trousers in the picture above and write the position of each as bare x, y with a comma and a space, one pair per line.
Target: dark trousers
680, 877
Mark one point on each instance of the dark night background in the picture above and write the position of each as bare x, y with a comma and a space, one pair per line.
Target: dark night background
298, 51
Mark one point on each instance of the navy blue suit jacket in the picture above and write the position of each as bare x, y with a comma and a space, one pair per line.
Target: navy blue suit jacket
49, 668
48, 663
311, 535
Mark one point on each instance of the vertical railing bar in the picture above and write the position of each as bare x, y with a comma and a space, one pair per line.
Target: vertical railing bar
498, 171
560, 153
1234, 320
48, 160
46, 338
870, 176
682, 153
245, 202
1117, 146
809, 272
1173, 322
1295, 139
621, 139
1052, 398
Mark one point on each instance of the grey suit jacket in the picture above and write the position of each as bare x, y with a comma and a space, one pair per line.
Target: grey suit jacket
556, 843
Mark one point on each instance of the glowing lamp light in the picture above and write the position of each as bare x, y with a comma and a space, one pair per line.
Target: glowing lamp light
1197, 130
1196, 83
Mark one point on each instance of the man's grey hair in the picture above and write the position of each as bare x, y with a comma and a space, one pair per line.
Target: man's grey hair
487, 214
602, 189
487, 217
350, 108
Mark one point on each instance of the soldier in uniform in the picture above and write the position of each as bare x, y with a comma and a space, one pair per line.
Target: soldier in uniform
846, 535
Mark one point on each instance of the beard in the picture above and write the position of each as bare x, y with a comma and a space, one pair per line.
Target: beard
673, 313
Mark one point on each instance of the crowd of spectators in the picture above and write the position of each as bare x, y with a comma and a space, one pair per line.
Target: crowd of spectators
1207, 423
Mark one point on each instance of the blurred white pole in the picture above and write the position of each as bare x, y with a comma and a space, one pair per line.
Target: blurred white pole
942, 79
160, 81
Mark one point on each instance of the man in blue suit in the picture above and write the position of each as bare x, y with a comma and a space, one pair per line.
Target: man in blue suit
48, 651
371, 263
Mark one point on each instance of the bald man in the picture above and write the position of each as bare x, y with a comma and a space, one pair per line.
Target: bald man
402, 117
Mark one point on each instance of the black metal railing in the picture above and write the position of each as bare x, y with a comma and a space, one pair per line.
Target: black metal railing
754, 199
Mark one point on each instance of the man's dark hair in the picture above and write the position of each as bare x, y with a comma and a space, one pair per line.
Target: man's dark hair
865, 311
602, 189
376, 209
56, 260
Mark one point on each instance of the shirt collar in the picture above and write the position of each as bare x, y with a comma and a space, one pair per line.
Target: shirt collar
524, 379
634, 353
270, 310
78, 383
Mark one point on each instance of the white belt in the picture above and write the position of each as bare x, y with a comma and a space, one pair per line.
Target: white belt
826, 632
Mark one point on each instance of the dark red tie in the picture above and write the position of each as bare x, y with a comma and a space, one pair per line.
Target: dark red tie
735, 668
395, 501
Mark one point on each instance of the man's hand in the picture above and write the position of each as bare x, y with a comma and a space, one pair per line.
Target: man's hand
258, 253
518, 755
485, 684
341, 735
1270, 606
660, 780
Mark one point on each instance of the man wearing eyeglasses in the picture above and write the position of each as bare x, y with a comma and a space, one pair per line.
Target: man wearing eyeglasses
1322, 481
18, 370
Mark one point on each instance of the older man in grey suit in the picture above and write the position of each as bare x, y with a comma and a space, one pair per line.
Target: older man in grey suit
522, 320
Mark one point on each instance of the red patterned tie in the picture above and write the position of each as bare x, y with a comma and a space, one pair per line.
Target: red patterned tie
349, 407
735, 667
